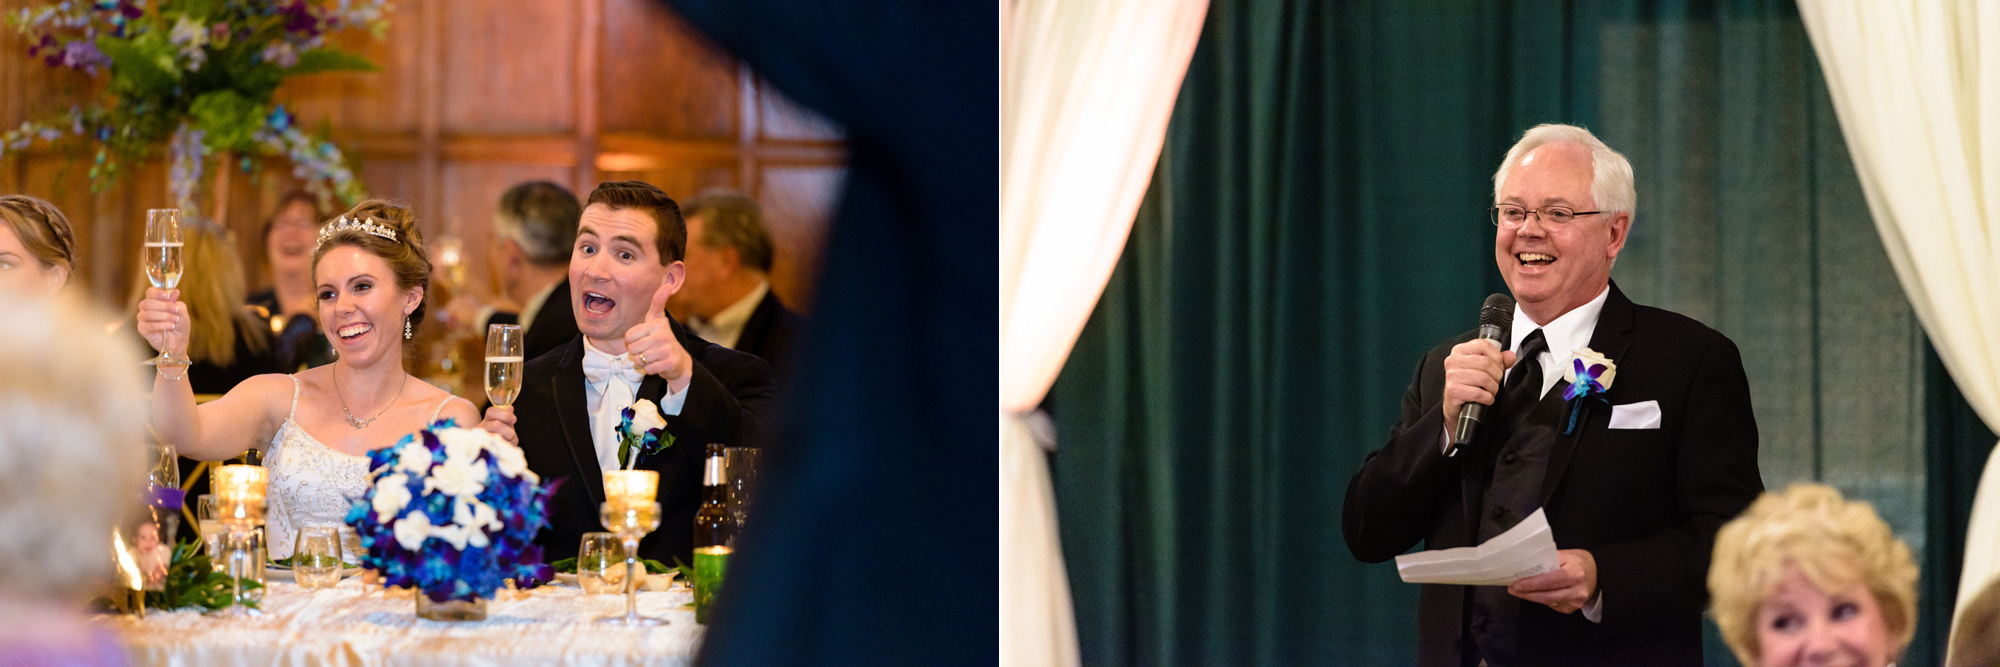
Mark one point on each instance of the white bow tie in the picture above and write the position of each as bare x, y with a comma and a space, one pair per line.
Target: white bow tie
598, 367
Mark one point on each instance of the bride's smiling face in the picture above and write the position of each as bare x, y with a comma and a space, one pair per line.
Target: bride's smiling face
360, 307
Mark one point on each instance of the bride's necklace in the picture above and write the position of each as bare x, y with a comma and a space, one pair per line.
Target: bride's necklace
359, 423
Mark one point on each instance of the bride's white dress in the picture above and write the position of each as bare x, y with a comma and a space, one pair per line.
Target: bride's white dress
312, 483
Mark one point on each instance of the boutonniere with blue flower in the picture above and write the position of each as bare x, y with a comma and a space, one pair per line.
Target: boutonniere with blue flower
1589, 375
641, 432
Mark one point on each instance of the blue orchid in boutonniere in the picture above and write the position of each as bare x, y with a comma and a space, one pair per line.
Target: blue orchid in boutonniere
641, 432
1589, 375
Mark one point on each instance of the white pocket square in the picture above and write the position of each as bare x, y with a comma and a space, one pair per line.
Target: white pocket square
1644, 414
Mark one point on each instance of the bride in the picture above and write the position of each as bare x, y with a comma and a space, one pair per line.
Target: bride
315, 428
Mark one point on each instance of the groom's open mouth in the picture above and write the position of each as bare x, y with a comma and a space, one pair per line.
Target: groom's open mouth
1534, 259
598, 304
353, 332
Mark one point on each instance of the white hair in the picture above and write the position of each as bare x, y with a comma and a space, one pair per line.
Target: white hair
1610, 177
71, 448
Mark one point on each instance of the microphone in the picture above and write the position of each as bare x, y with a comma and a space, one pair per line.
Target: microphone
1496, 323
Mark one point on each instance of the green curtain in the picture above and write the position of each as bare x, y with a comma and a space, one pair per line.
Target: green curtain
1316, 222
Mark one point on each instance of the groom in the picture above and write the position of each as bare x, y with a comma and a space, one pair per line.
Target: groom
626, 262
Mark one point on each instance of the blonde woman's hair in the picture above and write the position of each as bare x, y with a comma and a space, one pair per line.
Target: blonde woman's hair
71, 448
1835, 543
213, 288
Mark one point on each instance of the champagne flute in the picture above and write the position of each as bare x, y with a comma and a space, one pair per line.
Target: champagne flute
212, 530
163, 263
503, 363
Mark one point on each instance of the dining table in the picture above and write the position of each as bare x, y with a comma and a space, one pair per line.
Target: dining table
356, 624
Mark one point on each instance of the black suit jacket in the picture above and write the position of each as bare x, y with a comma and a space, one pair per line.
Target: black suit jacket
772, 332
730, 400
1645, 503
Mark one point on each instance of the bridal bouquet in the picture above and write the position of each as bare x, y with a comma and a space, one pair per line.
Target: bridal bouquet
453, 512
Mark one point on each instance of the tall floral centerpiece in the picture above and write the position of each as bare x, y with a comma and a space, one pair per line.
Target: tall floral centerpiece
453, 513
195, 76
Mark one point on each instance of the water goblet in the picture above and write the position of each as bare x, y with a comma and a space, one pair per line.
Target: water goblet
600, 563
316, 558
631, 521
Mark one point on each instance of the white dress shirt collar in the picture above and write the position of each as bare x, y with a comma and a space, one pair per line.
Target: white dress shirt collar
1569, 332
727, 326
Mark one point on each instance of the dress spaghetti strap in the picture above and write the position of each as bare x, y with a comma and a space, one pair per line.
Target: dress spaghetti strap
295, 398
440, 409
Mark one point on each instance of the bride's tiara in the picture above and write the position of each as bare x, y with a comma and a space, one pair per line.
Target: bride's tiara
344, 223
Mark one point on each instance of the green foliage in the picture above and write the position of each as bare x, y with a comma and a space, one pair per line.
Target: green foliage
192, 582
229, 121
568, 566
330, 60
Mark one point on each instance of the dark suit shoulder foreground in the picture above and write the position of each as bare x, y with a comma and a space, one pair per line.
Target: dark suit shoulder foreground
773, 333
731, 400
1645, 499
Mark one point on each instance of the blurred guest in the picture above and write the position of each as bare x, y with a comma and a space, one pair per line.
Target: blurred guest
231, 342
289, 305
1806, 578
67, 443
728, 298
37, 246
533, 229
1975, 642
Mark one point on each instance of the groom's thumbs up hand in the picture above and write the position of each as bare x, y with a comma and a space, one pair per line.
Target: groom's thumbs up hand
653, 348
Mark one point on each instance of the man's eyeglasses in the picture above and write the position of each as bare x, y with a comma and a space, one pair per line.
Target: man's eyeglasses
1510, 216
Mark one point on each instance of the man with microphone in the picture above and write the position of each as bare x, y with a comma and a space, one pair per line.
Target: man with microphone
1636, 456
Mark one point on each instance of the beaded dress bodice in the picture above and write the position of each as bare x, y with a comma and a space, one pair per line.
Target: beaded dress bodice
311, 483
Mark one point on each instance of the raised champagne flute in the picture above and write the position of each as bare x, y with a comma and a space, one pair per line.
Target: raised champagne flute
631, 521
503, 363
163, 263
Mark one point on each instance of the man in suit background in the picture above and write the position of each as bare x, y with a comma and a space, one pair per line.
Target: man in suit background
728, 298
626, 262
1633, 494
528, 254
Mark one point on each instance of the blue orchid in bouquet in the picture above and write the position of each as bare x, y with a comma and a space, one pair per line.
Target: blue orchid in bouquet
452, 512
641, 430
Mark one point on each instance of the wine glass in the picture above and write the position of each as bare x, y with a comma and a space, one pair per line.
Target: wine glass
631, 521
212, 530
163, 263
316, 559
740, 468
503, 363
595, 559
164, 494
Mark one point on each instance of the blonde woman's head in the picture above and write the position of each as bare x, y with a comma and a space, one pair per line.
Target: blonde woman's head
1806, 571
37, 245
71, 448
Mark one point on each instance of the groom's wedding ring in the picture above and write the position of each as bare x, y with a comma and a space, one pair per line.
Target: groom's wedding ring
642, 359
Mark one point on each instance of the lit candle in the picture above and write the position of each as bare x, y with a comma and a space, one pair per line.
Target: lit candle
239, 493
626, 487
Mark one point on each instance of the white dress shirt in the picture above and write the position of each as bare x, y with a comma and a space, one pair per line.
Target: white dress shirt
607, 398
727, 326
534, 306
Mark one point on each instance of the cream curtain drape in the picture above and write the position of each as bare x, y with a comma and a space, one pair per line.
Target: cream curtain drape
1917, 88
1086, 91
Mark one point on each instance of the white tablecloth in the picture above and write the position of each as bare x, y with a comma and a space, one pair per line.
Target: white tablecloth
347, 625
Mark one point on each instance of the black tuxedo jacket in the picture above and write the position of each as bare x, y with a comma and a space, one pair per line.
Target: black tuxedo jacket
554, 325
772, 332
731, 401
1646, 503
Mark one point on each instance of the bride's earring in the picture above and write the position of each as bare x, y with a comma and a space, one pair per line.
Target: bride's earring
406, 327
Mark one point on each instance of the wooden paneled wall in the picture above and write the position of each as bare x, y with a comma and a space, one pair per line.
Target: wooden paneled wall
474, 96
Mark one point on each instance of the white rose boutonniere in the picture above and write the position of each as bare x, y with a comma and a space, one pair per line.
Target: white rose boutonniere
642, 430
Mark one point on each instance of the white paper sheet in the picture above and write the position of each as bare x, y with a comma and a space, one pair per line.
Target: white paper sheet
1523, 551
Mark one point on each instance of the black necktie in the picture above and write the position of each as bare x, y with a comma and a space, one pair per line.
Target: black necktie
1524, 387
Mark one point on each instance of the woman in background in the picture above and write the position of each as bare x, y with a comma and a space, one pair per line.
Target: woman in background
70, 456
37, 246
230, 343
1806, 578
289, 305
